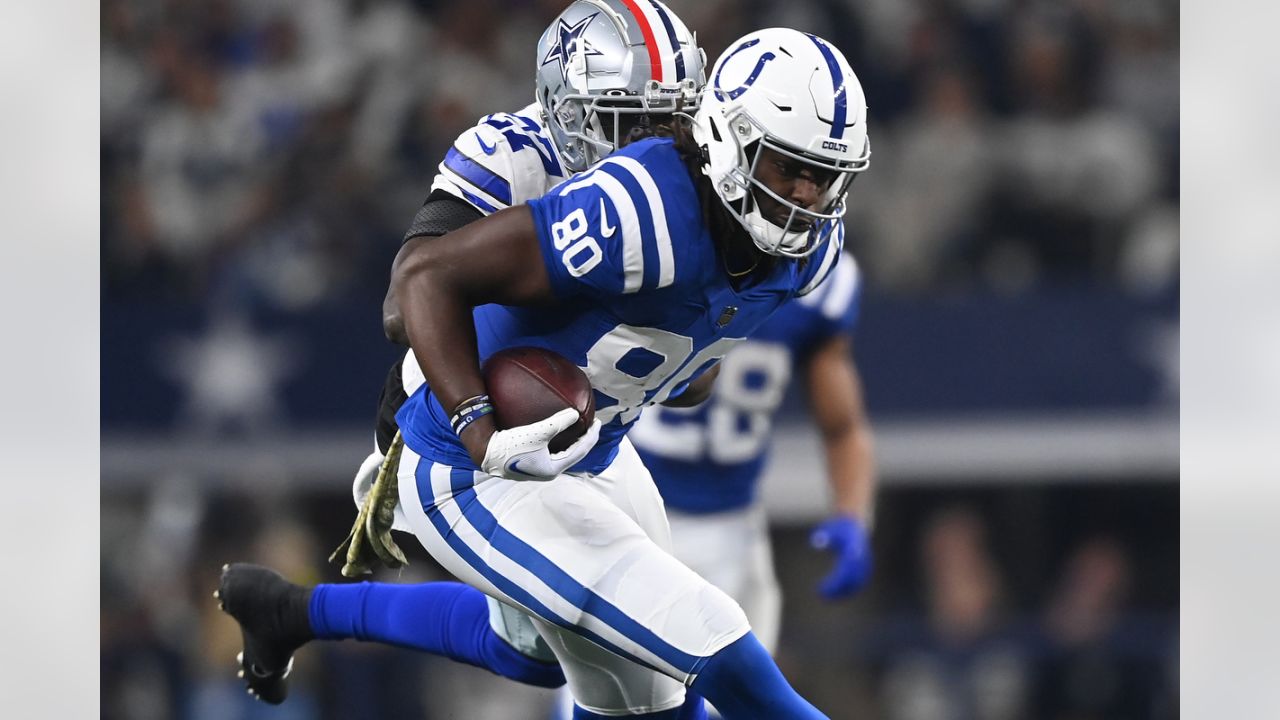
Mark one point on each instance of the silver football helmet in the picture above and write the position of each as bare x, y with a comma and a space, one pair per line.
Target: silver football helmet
604, 65
794, 94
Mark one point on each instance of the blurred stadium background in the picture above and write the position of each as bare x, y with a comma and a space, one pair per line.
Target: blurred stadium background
1019, 342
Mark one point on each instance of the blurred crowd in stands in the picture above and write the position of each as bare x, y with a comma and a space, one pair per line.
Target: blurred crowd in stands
981, 609
273, 152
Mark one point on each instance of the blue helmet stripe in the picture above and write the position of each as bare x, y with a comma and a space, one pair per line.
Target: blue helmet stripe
837, 84
479, 175
671, 34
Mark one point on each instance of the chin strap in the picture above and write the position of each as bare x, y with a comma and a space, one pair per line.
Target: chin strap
774, 237
370, 541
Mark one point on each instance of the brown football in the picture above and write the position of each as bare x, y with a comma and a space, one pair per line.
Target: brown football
528, 384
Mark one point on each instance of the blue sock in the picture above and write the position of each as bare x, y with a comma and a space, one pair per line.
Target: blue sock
742, 681
443, 618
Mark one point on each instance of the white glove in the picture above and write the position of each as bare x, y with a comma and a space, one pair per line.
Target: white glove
365, 476
521, 453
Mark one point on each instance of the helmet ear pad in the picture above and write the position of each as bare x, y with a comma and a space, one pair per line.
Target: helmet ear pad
748, 202
559, 118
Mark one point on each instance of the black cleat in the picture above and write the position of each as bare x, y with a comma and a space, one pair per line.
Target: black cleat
273, 617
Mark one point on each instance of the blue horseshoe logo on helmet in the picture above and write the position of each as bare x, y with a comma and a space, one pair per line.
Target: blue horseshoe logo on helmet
721, 94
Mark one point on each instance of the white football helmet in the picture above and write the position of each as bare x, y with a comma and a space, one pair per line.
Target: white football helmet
793, 93
602, 59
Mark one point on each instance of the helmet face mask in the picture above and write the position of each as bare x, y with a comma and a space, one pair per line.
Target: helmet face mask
599, 74
783, 96
779, 225
592, 125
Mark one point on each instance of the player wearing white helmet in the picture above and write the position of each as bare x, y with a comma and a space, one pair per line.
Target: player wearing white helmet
585, 554
708, 460
822, 131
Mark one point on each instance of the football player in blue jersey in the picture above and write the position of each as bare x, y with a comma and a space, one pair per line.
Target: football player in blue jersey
642, 64
689, 260
644, 271
707, 460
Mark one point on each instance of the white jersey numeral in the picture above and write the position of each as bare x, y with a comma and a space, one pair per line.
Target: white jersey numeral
753, 379
579, 252
670, 354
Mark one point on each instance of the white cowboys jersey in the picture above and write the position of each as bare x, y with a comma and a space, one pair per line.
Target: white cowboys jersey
505, 159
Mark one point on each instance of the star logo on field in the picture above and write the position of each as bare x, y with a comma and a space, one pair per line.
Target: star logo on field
569, 40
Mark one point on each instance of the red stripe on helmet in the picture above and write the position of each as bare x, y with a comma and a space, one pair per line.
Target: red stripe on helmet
655, 59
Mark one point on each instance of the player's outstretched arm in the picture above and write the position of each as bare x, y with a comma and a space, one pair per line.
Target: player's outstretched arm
494, 260
835, 394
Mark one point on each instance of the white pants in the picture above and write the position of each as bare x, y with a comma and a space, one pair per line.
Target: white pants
732, 551
587, 556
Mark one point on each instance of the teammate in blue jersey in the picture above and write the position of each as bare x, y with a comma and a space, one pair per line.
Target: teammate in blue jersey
625, 271
607, 71
707, 460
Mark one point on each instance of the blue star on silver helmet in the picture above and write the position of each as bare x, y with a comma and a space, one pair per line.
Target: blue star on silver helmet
601, 61
568, 37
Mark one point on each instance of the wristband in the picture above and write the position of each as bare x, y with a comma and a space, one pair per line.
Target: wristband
469, 411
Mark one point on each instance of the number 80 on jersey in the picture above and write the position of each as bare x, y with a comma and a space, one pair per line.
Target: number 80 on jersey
579, 252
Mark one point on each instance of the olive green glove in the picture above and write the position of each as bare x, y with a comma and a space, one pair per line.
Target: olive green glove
370, 541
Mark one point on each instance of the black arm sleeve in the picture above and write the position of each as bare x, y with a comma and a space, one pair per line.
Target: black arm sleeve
441, 213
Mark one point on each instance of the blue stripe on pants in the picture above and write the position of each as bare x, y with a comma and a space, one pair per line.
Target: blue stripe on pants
464, 495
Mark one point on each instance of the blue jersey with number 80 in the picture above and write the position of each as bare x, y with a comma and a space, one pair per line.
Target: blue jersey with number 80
645, 303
